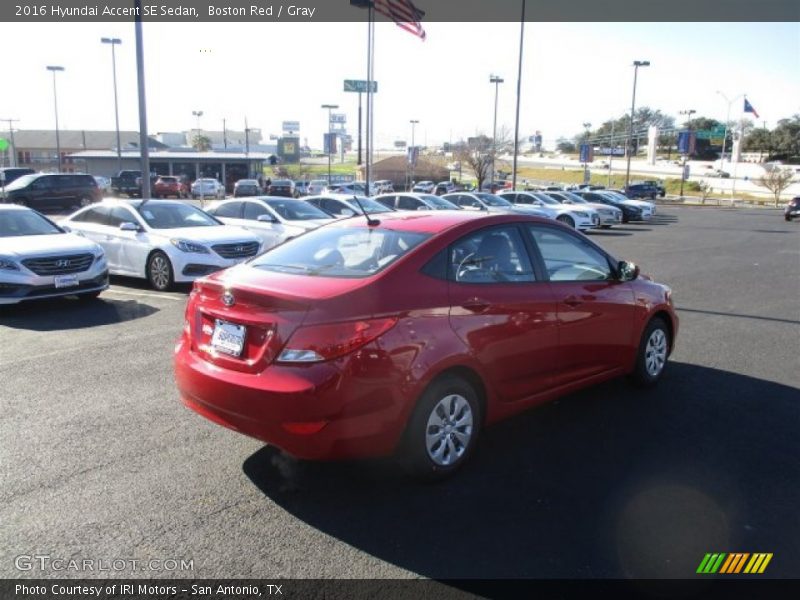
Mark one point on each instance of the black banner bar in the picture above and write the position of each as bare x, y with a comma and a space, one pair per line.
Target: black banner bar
729, 588
270, 11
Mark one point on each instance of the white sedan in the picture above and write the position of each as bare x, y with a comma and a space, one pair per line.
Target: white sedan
38, 259
207, 188
581, 218
273, 219
648, 208
163, 241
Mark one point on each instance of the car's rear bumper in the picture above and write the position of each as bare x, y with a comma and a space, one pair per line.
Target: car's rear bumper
317, 412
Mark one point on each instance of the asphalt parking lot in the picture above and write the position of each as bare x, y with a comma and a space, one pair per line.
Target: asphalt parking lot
100, 460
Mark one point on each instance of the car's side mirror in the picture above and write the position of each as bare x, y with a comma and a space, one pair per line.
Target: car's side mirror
128, 226
627, 271
266, 219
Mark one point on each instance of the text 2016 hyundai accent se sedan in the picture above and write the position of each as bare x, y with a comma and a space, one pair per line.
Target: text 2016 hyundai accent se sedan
413, 332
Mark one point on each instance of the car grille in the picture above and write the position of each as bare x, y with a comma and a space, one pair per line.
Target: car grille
59, 265
237, 250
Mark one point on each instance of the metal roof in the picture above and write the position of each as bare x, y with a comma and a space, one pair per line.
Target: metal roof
167, 155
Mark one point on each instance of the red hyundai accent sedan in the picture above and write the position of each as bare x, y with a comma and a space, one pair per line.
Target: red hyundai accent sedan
413, 332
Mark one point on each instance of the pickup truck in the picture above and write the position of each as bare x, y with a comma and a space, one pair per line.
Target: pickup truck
129, 183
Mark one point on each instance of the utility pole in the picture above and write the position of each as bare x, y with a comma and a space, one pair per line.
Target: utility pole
689, 112
496, 80
636, 65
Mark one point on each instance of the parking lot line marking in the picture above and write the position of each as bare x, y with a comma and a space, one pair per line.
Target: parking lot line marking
143, 294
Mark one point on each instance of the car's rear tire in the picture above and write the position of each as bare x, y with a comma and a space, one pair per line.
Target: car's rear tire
443, 429
651, 357
787, 217
159, 271
566, 220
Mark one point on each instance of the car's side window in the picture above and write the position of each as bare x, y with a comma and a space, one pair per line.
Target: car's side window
253, 210
231, 210
408, 203
494, 255
569, 258
119, 215
97, 215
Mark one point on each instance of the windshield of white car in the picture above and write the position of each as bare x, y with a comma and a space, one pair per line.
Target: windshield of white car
492, 200
175, 216
545, 198
369, 205
296, 210
573, 197
351, 252
25, 222
439, 203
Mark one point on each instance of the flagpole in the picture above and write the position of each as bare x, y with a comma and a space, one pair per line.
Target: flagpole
519, 95
367, 141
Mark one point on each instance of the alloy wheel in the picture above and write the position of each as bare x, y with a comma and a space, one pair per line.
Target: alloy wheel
449, 430
160, 272
655, 352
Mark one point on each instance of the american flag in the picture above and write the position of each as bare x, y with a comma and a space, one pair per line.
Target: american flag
404, 14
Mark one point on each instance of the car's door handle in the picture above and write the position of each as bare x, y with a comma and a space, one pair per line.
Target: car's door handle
573, 301
476, 305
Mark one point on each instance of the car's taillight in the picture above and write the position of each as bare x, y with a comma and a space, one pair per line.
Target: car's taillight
318, 343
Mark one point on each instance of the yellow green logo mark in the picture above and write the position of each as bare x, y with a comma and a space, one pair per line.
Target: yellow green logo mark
734, 563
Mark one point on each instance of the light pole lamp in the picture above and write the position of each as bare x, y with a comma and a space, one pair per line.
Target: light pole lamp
636, 65
688, 112
54, 69
496, 80
113, 42
330, 107
727, 120
197, 114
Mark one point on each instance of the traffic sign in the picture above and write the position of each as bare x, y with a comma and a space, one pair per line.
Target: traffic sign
3, 144
360, 86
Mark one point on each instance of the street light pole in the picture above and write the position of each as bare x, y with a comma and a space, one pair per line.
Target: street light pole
413, 145
611, 152
198, 114
636, 65
330, 107
689, 112
114, 42
496, 80
586, 176
727, 120
54, 69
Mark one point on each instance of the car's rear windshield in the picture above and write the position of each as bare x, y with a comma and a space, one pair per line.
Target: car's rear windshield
352, 252
281, 182
175, 216
25, 222
492, 200
439, 203
297, 210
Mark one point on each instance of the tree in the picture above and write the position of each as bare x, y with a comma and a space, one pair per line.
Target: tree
201, 143
776, 179
565, 146
787, 137
479, 153
705, 191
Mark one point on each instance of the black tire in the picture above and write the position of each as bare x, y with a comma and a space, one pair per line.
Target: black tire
159, 271
787, 218
625, 219
648, 369
416, 456
566, 220
89, 296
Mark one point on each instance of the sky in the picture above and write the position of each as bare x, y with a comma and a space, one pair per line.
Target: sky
271, 72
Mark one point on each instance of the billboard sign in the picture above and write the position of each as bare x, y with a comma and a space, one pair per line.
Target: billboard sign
413, 155
400, 144
329, 143
289, 149
587, 153
338, 118
360, 86
291, 126
686, 142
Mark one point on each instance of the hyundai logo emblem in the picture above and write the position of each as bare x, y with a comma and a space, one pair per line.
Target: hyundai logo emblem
228, 299
239, 248
62, 263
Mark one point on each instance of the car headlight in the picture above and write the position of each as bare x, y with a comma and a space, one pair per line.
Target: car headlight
100, 259
186, 246
580, 213
7, 264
